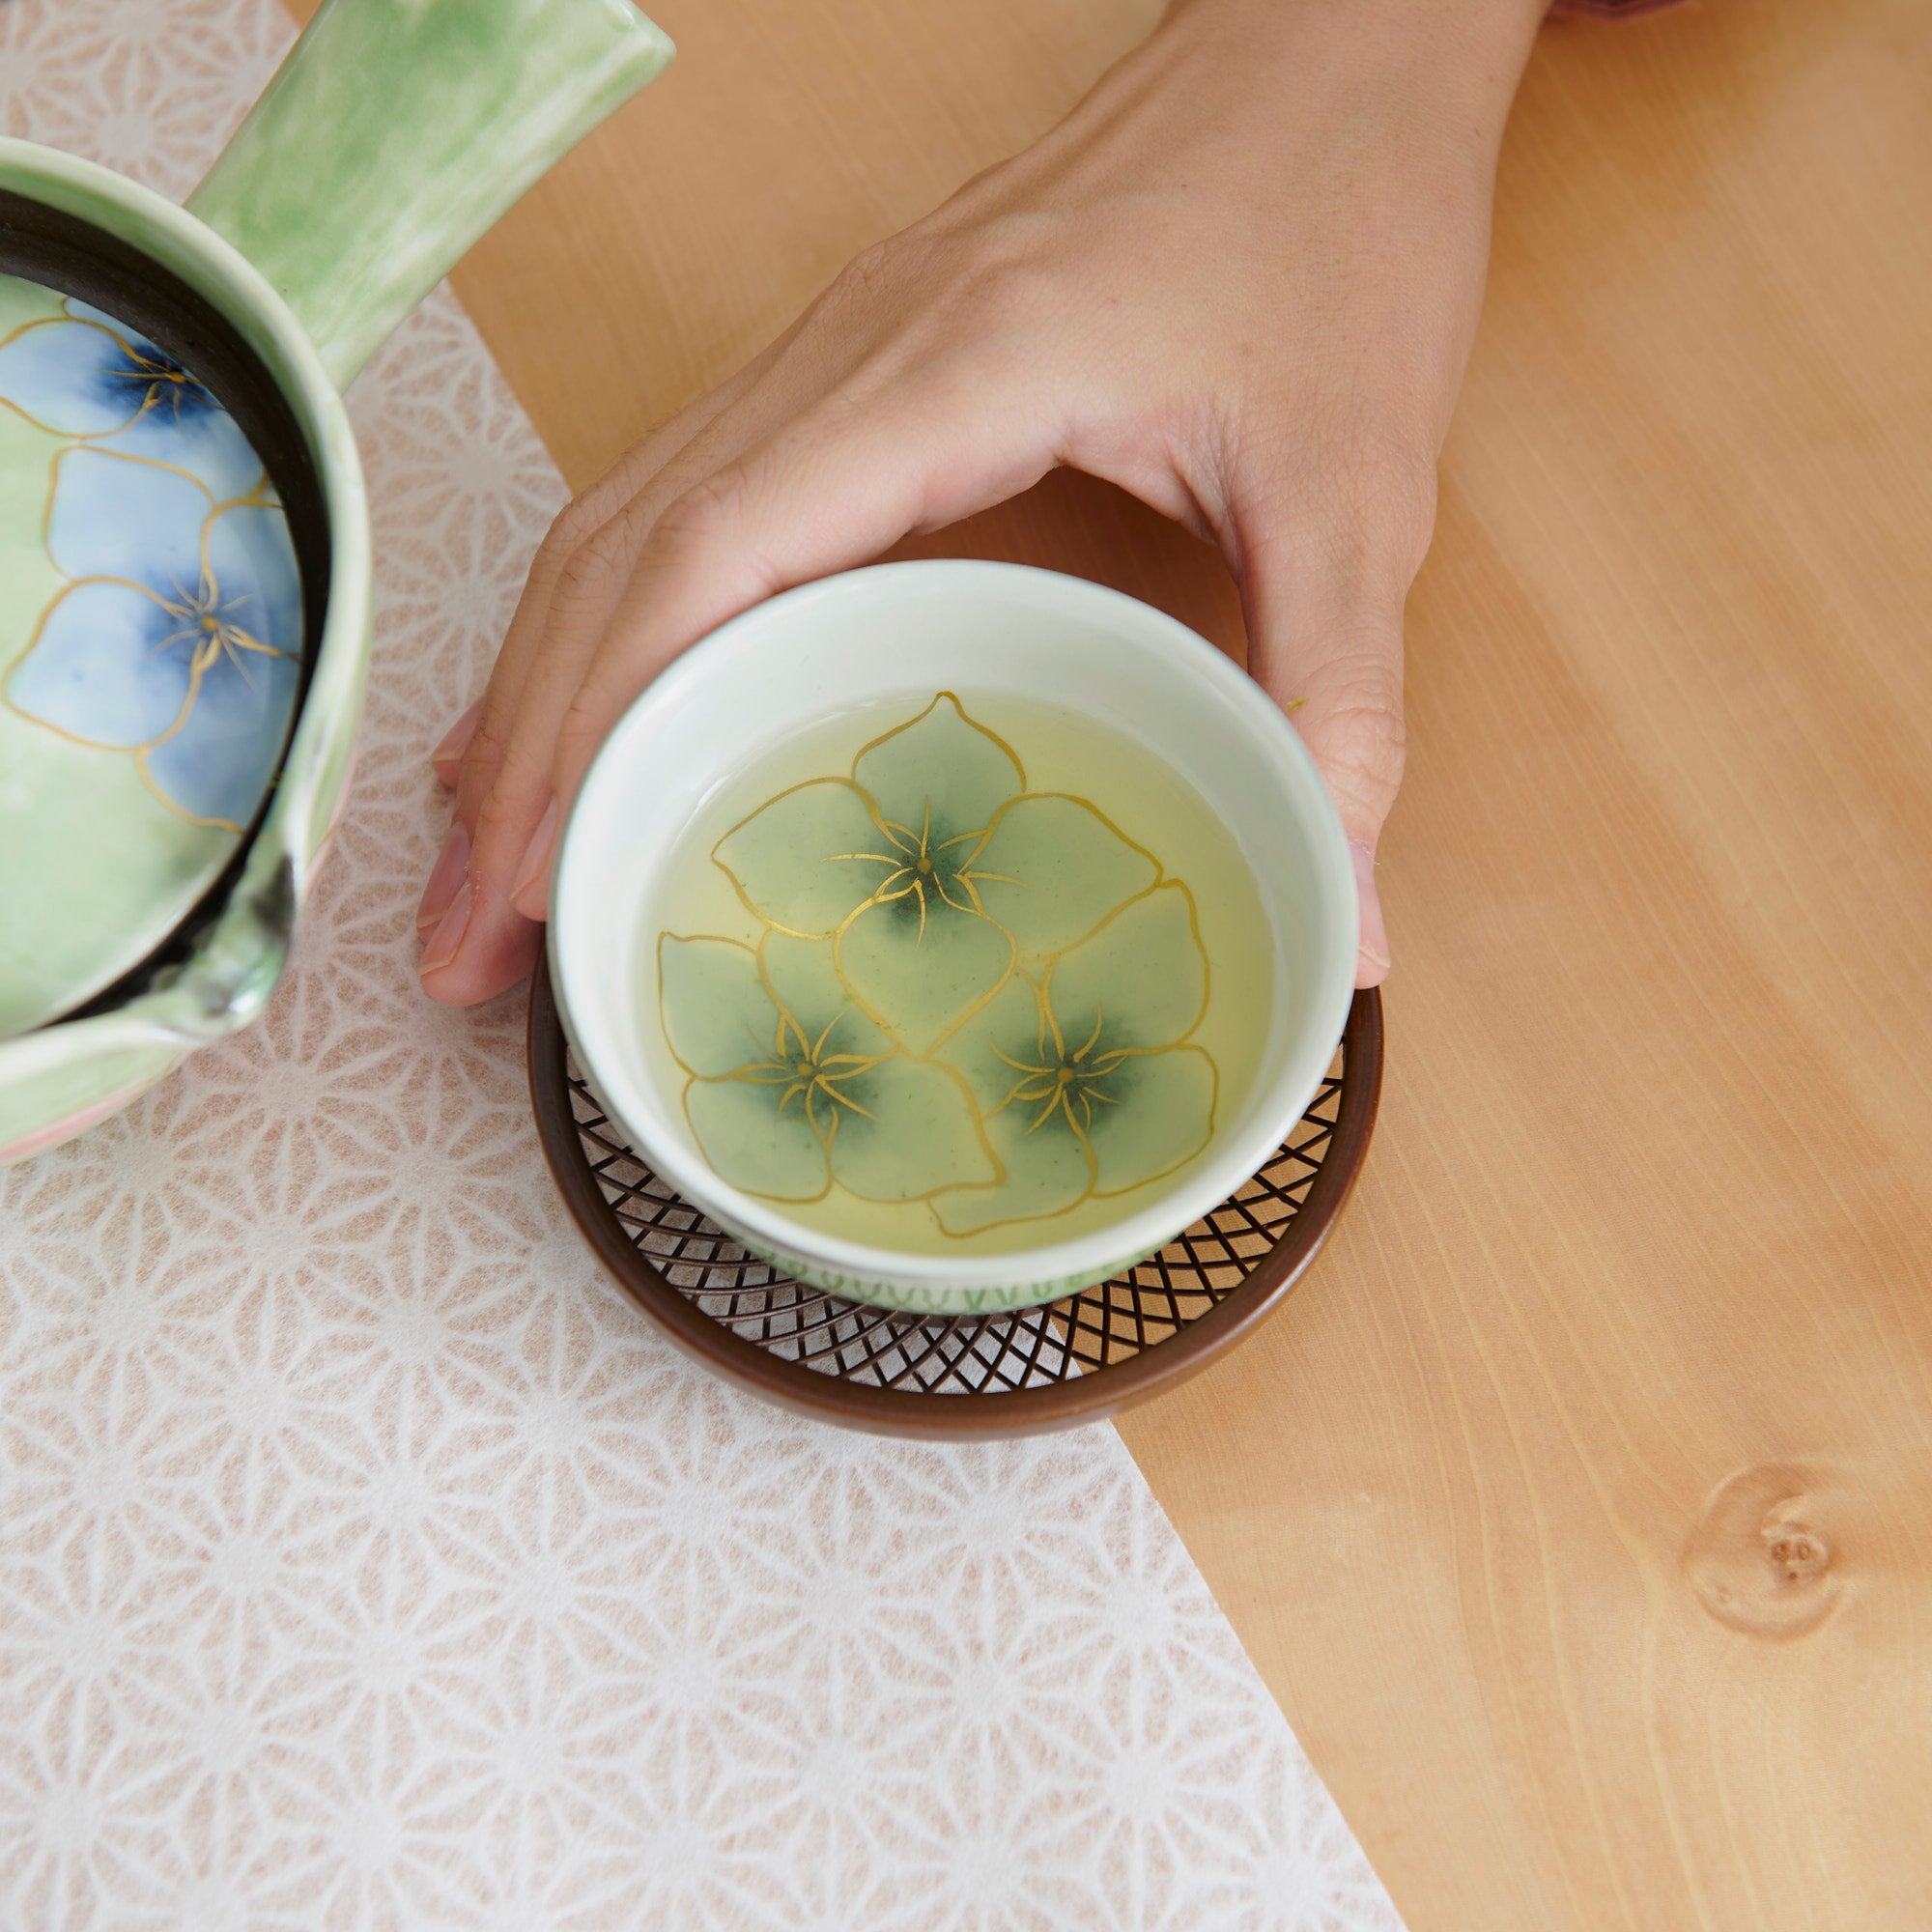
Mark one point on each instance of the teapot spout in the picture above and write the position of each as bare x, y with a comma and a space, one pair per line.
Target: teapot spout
396, 131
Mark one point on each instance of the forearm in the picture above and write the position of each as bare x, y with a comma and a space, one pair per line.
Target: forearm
1239, 280
1449, 66
1498, 29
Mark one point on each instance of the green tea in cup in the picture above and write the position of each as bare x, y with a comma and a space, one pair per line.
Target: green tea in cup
958, 976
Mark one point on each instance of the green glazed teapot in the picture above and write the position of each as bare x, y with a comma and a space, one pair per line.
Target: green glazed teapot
185, 590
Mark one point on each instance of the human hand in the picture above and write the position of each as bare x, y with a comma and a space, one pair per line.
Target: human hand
1239, 280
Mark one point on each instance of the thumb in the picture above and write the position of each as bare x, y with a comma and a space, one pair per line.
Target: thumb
1335, 668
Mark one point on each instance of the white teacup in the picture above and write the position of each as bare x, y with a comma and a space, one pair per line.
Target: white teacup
904, 630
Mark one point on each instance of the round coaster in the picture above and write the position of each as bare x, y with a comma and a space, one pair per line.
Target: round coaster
957, 1378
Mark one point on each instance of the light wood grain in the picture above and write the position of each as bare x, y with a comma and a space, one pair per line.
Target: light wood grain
1649, 1207
676, 243
1650, 1210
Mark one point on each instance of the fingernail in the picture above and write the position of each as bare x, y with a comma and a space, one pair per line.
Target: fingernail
530, 895
451, 864
447, 936
1374, 941
446, 760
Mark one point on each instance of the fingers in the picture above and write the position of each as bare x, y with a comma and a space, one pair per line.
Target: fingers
472, 752
506, 807
503, 786
1351, 718
830, 486
828, 491
1333, 661
446, 760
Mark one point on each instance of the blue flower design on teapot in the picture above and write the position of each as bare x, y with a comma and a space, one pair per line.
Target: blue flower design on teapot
177, 636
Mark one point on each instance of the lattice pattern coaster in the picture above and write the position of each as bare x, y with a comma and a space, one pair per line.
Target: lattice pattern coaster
1013, 1373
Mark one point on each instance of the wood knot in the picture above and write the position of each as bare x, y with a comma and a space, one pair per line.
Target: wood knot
1758, 1558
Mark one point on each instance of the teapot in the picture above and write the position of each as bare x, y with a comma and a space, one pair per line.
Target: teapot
185, 555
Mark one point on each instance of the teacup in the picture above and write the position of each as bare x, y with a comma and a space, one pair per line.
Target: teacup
184, 631
931, 647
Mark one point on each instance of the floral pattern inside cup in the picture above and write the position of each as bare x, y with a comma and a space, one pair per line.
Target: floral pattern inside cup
964, 992
176, 636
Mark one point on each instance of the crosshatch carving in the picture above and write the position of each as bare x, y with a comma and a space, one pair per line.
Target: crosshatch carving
1062, 1361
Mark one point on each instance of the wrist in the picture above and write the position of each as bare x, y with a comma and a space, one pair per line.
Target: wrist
1464, 24
1464, 58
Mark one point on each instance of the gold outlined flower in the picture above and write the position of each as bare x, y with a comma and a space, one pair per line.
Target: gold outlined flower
929, 920
1082, 1071
791, 1086
177, 637
84, 375
931, 870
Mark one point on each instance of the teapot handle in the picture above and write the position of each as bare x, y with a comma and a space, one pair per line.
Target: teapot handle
396, 131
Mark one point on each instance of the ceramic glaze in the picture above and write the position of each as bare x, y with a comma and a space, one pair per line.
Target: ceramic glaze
936, 995
151, 632
1101, 768
399, 132
150, 639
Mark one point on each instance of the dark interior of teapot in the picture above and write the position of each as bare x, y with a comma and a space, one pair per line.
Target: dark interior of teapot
75, 259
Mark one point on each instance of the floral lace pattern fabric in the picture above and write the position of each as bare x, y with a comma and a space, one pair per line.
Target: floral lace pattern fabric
366, 1561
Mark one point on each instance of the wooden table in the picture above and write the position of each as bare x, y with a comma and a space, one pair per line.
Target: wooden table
1580, 1509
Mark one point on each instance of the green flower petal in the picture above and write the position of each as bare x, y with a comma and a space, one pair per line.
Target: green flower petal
1143, 976
922, 984
942, 762
1162, 1115
1048, 1170
793, 860
917, 1133
1052, 869
802, 975
754, 1146
1011, 1026
718, 1016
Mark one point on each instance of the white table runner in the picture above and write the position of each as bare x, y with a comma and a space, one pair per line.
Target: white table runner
365, 1560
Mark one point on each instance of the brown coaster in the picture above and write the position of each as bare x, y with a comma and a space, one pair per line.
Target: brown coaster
958, 1378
